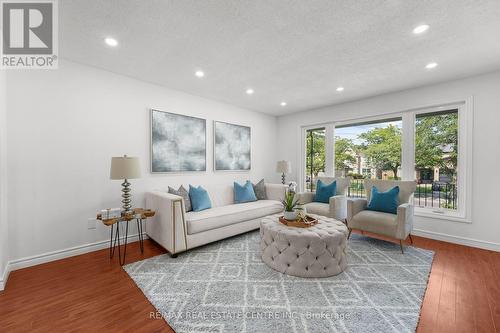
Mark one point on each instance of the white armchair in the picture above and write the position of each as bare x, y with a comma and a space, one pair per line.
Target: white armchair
337, 206
398, 225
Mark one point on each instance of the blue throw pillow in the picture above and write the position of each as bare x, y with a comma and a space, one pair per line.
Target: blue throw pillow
244, 193
199, 198
386, 202
324, 192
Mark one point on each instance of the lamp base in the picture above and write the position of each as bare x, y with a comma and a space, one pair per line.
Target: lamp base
283, 179
127, 207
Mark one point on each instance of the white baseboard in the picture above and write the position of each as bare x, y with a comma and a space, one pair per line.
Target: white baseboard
59, 254
5, 276
457, 240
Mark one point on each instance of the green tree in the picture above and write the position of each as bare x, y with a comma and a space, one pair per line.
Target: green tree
316, 148
436, 142
382, 147
344, 149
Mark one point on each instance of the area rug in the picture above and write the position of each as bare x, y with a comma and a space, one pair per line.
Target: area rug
225, 287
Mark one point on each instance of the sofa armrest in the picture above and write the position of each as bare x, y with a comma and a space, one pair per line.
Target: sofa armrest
275, 191
354, 206
404, 220
305, 197
338, 207
168, 226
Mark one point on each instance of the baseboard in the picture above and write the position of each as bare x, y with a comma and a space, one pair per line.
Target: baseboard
59, 254
5, 276
457, 240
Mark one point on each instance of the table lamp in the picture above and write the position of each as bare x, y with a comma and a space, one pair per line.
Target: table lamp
125, 168
283, 167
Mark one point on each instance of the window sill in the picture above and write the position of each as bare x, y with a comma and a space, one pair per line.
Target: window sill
448, 216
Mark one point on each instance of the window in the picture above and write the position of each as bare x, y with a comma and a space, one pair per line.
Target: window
368, 150
436, 159
429, 145
315, 156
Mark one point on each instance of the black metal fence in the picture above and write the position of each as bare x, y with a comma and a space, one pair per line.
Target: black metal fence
435, 194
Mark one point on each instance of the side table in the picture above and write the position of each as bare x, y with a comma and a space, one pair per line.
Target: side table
137, 214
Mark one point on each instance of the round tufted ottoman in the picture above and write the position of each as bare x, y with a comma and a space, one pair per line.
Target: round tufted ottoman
317, 251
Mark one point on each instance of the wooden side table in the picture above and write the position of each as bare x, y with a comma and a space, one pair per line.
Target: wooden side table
139, 215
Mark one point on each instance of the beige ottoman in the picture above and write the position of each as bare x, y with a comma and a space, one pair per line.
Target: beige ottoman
317, 251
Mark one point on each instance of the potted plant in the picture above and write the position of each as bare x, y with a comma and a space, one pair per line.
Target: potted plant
289, 203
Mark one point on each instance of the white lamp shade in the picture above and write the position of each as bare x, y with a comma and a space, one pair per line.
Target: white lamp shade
125, 167
283, 167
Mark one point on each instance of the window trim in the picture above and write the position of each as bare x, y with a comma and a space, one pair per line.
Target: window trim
465, 131
464, 179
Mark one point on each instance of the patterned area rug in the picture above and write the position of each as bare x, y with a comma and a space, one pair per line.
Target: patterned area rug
225, 287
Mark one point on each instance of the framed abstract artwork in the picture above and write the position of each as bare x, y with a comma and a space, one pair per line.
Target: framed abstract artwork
232, 147
178, 143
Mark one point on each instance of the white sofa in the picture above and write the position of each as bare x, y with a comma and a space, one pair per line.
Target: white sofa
177, 230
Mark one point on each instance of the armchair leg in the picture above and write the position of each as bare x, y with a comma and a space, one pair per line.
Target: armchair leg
173, 255
402, 248
411, 239
349, 236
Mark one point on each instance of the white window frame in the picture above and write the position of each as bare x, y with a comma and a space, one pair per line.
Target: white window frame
463, 212
465, 130
329, 151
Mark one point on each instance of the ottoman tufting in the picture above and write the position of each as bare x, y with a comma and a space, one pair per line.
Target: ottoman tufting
317, 251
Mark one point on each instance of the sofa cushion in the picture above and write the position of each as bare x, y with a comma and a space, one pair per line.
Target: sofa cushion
260, 190
318, 208
376, 222
182, 192
324, 191
218, 217
387, 201
199, 198
244, 193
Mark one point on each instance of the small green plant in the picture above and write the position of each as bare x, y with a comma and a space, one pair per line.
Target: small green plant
289, 202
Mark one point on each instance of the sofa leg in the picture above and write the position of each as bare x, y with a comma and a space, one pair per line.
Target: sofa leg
401, 244
349, 236
173, 255
411, 239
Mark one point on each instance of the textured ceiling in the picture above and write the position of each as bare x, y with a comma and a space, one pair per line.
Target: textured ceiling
295, 51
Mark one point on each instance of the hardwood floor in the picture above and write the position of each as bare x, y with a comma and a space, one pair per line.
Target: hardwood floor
91, 293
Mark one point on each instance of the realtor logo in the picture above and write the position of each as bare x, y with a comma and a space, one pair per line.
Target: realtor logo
29, 34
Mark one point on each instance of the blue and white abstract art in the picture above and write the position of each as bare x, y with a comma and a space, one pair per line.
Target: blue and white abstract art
178, 143
232, 147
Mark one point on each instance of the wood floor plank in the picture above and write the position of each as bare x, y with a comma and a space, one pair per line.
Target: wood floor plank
91, 293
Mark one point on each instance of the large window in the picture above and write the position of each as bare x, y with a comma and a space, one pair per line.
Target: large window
368, 150
436, 159
429, 145
315, 156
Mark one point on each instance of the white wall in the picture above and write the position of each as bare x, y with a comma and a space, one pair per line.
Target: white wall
484, 230
3, 179
64, 126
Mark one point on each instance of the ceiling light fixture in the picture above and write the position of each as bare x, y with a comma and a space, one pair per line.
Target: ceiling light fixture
339, 89
283, 103
199, 74
431, 65
249, 91
421, 29
111, 41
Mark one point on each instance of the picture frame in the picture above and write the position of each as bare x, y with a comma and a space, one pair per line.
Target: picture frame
232, 150
178, 143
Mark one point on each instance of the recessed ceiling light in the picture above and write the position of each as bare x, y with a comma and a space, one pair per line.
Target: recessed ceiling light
111, 41
421, 29
249, 91
283, 103
199, 74
339, 89
431, 65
